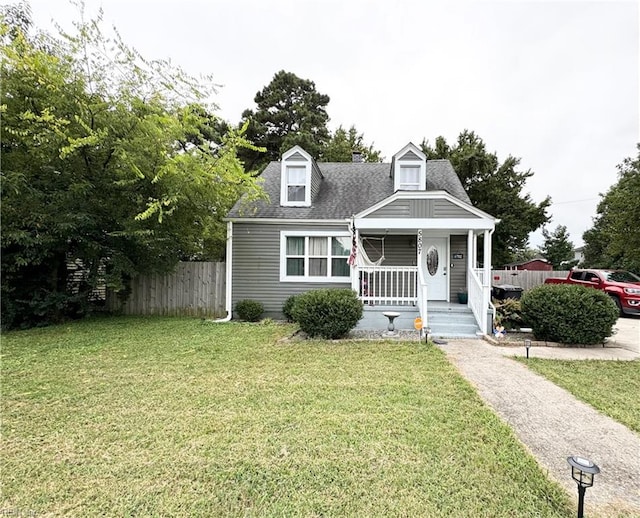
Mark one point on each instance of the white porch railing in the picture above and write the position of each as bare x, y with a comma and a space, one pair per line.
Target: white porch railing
422, 301
387, 285
480, 297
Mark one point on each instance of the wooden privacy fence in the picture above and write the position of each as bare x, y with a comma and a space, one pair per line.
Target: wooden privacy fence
526, 279
193, 289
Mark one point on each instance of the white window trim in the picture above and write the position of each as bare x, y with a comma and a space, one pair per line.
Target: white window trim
403, 185
422, 177
284, 234
417, 159
306, 163
284, 195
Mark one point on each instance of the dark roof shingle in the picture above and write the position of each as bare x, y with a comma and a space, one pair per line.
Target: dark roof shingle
347, 188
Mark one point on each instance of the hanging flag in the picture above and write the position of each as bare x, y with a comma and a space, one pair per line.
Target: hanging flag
354, 245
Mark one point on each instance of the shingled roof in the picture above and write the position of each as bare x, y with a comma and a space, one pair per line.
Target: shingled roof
347, 188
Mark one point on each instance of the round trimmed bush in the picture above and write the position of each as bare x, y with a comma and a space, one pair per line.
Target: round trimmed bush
327, 313
569, 314
249, 310
287, 307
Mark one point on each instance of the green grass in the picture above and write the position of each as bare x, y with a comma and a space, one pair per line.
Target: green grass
611, 387
174, 417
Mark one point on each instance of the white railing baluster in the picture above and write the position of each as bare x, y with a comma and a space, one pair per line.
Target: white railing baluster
479, 297
388, 285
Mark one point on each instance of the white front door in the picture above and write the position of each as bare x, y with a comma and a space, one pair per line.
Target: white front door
434, 266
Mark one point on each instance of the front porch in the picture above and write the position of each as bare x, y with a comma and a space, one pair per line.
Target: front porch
432, 253
420, 275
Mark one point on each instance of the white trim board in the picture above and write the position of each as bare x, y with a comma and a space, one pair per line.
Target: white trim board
424, 223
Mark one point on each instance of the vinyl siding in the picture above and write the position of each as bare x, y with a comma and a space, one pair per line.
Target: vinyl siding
256, 263
256, 266
445, 209
406, 208
396, 209
297, 156
398, 250
409, 155
458, 272
316, 180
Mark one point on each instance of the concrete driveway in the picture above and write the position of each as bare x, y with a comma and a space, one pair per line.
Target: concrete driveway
627, 335
623, 345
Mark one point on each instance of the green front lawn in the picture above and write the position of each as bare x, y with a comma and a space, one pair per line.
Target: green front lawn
174, 417
611, 387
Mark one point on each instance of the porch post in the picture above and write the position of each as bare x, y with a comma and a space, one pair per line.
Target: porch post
470, 260
475, 250
487, 256
470, 251
355, 271
486, 288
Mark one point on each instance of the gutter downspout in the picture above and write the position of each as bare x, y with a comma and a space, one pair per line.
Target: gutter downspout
228, 273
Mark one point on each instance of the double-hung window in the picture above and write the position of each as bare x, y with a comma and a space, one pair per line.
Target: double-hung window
409, 178
409, 169
296, 189
299, 176
315, 257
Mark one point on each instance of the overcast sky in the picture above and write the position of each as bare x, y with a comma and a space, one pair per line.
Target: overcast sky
552, 82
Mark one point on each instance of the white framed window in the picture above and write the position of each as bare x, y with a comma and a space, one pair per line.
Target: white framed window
315, 256
296, 184
410, 169
295, 172
409, 178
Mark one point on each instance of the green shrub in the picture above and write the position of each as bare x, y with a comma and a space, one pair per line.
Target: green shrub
249, 310
508, 313
328, 313
287, 307
569, 314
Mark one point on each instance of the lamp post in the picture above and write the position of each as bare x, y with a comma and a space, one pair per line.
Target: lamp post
527, 344
582, 471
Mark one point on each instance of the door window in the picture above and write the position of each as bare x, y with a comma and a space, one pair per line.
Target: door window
432, 260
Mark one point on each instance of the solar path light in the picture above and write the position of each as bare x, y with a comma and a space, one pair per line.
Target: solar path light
582, 471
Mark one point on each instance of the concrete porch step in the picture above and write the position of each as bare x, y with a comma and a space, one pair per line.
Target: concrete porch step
451, 320
435, 316
448, 307
454, 330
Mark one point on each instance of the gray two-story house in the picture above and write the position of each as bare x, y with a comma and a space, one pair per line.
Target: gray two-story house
403, 235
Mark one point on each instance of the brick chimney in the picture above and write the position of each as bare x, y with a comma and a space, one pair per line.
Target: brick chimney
356, 157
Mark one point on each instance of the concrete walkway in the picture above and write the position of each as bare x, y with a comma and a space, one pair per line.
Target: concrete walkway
553, 425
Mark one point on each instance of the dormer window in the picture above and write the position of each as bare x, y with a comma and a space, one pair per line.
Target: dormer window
300, 178
409, 169
296, 183
409, 178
